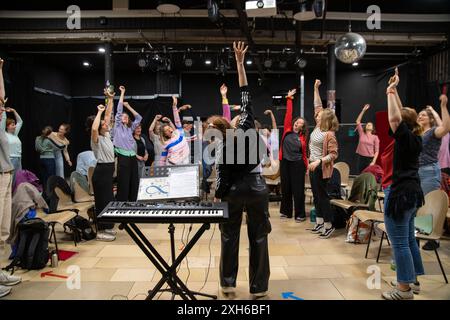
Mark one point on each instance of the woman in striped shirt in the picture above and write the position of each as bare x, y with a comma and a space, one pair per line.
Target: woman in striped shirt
323, 150
175, 147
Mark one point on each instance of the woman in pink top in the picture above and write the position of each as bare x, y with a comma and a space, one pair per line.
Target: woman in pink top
368, 145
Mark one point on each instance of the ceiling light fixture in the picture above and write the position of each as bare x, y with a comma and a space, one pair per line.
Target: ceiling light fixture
167, 7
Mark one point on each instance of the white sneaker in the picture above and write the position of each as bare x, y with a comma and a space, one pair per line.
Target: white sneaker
103, 236
415, 287
260, 294
4, 291
110, 231
396, 294
227, 289
9, 280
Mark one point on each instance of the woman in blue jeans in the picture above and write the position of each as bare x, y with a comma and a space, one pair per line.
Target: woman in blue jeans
434, 129
405, 195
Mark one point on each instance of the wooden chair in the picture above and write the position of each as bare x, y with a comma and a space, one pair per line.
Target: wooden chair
344, 171
56, 218
436, 204
90, 174
366, 215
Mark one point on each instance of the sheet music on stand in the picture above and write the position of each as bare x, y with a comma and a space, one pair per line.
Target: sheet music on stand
170, 183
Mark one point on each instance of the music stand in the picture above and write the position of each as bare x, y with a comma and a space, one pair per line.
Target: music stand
163, 192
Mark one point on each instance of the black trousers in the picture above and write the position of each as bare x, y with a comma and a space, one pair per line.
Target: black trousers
102, 181
249, 192
293, 186
362, 162
127, 178
320, 195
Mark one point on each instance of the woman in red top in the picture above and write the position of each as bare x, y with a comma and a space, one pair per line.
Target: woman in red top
368, 145
294, 162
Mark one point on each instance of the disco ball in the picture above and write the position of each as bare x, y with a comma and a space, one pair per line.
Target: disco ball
350, 47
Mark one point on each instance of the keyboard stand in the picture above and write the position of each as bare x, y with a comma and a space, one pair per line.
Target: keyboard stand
169, 272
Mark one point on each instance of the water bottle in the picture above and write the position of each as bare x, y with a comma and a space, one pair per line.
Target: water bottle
312, 215
54, 259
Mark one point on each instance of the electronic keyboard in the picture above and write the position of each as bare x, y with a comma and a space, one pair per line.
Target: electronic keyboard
169, 212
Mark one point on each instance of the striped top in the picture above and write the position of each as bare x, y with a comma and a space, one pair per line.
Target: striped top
176, 149
316, 144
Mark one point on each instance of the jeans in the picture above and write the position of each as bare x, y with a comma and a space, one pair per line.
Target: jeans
59, 164
406, 250
48, 169
430, 177
17, 164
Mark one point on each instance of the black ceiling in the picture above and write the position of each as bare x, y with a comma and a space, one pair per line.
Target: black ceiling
387, 6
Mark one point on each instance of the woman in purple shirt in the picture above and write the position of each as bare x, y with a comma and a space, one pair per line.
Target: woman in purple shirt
125, 149
368, 145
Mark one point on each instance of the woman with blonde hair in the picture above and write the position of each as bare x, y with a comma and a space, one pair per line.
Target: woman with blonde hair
323, 150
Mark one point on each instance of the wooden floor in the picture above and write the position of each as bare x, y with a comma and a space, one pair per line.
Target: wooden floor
301, 263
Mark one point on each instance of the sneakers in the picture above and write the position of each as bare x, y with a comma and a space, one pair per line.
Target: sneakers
260, 294
396, 294
9, 280
4, 291
283, 216
327, 233
110, 231
431, 245
415, 287
227, 290
103, 236
300, 219
317, 228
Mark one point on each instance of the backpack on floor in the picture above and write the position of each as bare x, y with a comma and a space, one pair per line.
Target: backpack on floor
81, 228
32, 245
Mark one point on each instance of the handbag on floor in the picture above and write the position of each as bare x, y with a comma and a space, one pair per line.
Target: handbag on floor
363, 230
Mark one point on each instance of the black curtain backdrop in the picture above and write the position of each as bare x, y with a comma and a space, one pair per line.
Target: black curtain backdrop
202, 91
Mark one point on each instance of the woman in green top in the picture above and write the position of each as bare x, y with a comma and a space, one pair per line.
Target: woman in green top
12, 127
46, 148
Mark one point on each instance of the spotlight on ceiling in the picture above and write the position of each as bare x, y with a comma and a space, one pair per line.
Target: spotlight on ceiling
167, 7
142, 62
188, 62
86, 64
249, 62
101, 50
301, 62
208, 62
355, 64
